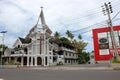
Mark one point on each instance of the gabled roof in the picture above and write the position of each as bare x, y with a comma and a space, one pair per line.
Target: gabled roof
48, 30
25, 40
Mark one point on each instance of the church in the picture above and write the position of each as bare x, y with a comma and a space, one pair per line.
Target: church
39, 48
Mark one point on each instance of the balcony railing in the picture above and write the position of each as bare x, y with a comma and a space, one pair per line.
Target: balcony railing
66, 49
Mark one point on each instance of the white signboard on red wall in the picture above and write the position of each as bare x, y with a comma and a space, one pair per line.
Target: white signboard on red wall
103, 49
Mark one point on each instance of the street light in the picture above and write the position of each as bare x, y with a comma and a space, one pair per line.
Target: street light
2, 32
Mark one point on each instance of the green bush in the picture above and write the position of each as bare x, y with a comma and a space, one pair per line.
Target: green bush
60, 63
17, 63
116, 60
13, 63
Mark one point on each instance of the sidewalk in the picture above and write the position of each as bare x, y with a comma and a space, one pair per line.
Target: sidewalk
73, 67
76, 67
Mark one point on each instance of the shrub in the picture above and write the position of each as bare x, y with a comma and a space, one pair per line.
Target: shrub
13, 63
116, 60
60, 63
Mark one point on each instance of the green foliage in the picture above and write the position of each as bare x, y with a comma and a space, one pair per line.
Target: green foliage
79, 37
57, 35
69, 34
65, 40
116, 68
60, 63
13, 63
116, 60
3, 61
83, 57
3, 47
79, 45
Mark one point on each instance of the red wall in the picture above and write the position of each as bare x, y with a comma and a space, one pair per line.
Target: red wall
95, 41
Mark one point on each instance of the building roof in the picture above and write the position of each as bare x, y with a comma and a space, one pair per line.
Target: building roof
25, 40
59, 42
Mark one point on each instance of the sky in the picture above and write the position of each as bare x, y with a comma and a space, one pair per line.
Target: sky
17, 17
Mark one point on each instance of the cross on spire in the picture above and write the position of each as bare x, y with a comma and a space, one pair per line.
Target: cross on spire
41, 7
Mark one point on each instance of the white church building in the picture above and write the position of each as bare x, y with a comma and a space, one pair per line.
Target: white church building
39, 48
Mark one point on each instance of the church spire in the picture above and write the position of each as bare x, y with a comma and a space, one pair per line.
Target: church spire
42, 18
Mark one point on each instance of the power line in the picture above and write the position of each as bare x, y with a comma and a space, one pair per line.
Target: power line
92, 28
79, 19
89, 15
116, 15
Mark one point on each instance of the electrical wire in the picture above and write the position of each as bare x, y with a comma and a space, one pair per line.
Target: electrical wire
89, 15
94, 27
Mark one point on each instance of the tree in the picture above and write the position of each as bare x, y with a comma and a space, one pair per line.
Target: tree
71, 36
74, 43
2, 48
65, 40
83, 57
79, 37
57, 35
68, 33
80, 45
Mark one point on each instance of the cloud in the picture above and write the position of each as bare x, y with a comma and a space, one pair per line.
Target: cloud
11, 39
18, 16
12, 18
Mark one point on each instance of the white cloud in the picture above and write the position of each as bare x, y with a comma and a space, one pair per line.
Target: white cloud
9, 40
18, 16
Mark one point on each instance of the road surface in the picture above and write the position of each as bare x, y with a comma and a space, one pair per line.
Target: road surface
38, 74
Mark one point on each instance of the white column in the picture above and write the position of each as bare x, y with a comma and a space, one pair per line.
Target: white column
42, 60
16, 59
9, 58
31, 64
52, 55
36, 51
47, 52
44, 53
31, 61
28, 60
48, 60
52, 59
35, 60
21, 61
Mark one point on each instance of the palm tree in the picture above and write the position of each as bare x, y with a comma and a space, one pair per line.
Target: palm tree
74, 43
71, 36
68, 33
57, 35
79, 37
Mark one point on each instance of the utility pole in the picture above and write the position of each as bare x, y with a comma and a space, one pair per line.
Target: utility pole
107, 10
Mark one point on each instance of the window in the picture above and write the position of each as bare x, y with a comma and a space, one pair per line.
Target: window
73, 54
68, 61
65, 61
69, 54
18, 46
50, 48
50, 57
66, 53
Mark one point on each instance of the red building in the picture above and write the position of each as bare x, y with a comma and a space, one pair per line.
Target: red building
103, 49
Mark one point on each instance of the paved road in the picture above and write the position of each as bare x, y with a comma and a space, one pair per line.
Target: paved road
36, 74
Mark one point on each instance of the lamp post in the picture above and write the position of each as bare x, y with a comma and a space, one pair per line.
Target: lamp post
2, 32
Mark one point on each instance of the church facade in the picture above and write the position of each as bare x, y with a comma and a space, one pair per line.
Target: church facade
39, 48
